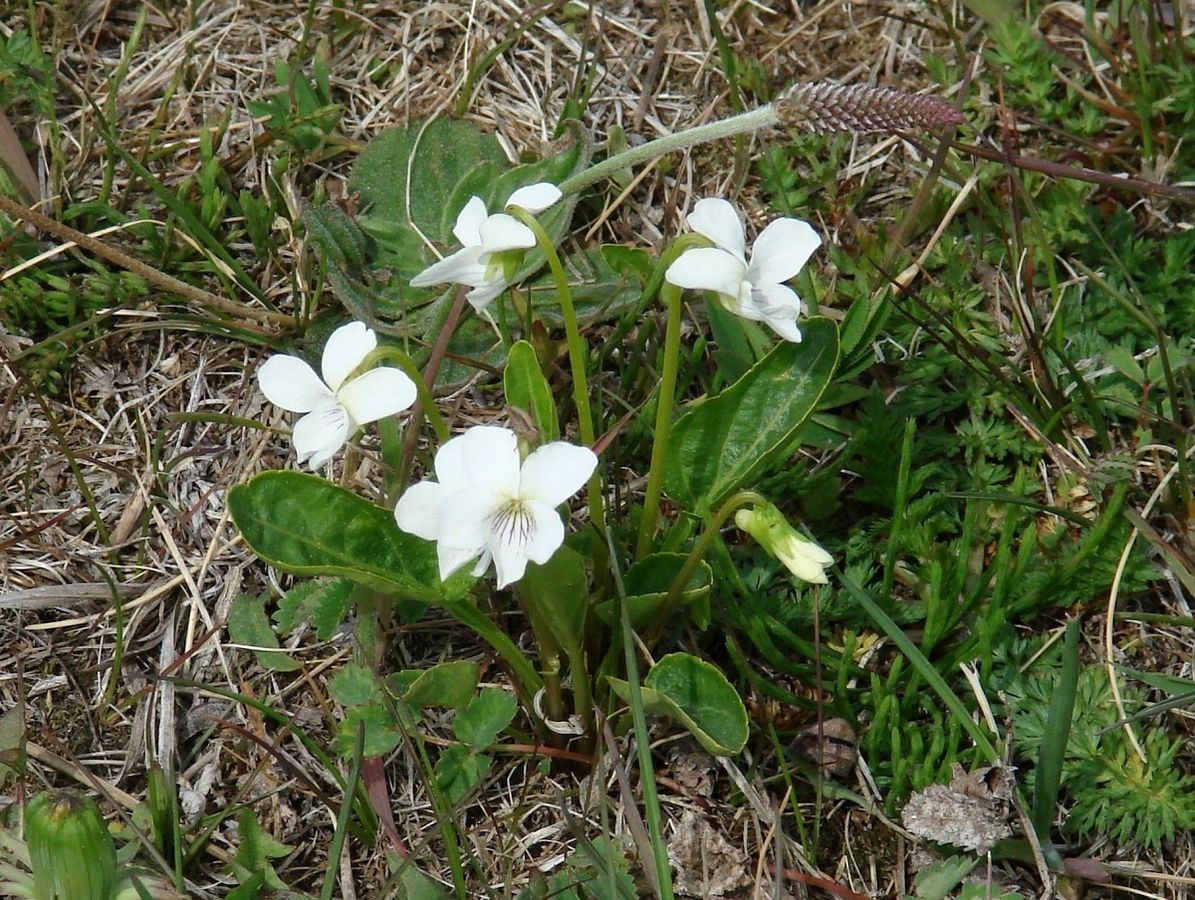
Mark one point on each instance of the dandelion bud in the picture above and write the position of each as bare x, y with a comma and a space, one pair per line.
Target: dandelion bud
71, 852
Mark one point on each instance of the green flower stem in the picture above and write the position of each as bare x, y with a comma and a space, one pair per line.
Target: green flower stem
670, 294
426, 401
755, 120
647, 777
577, 356
549, 653
696, 555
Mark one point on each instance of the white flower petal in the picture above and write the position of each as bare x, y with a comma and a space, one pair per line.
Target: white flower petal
483, 563
535, 198
805, 569
708, 269
468, 223
452, 559
420, 510
502, 232
377, 393
481, 297
717, 220
450, 464
778, 306
781, 250
320, 433
468, 520
289, 382
490, 456
462, 267
546, 534
536, 535
555, 472
346, 349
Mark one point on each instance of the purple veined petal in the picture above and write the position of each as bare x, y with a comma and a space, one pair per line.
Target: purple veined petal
321, 433
536, 535
778, 306
490, 456
452, 559
502, 232
346, 349
468, 223
377, 393
707, 269
289, 382
535, 198
555, 472
462, 267
781, 251
717, 220
420, 510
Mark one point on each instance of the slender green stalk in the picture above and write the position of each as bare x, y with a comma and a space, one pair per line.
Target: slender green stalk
754, 120
549, 654
577, 356
671, 296
902, 494
426, 400
696, 555
647, 777
342, 818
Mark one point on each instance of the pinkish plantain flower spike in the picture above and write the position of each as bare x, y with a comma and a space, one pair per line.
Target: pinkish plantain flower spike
822, 107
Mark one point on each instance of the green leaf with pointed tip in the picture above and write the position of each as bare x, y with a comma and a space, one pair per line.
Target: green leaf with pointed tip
722, 443
248, 624
450, 684
528, 389
308, 526
647, 584
255, 850
697, 695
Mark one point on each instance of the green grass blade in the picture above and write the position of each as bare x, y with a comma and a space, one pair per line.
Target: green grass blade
1054, 740
923, 667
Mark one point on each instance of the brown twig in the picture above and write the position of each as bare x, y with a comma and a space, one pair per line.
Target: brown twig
137, 267
1080, 173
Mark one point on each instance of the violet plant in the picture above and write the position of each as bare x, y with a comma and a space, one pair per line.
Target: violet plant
501, 496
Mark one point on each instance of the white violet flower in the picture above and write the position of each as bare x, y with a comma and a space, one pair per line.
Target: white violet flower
484, 261
801, 556
489, 504
335, 407
754, 290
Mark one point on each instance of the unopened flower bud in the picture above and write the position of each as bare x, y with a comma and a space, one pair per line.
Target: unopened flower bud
801, 556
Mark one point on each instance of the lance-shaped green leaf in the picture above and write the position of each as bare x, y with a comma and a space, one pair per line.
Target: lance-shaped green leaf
697, 695
308, 526
560, 591
724, 442
528, 389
